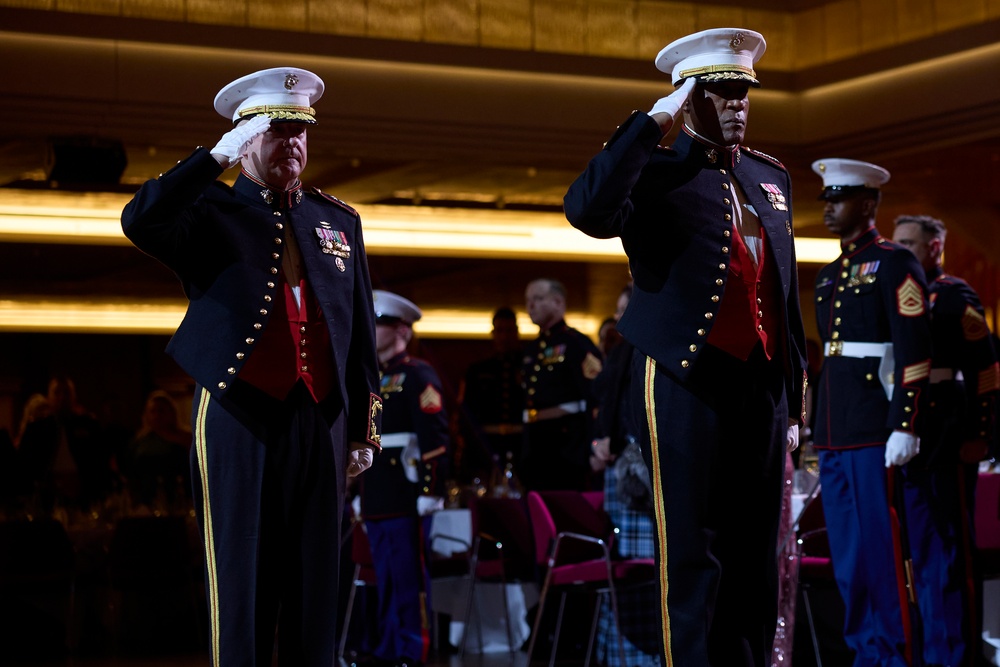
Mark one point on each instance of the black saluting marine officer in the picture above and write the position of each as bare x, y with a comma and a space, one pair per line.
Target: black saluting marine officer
714, 316
871, 312
405, 484
959, 426
559, 369
279, 336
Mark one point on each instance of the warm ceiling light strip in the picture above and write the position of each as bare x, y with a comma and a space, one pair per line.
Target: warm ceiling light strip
163, 318
389, 230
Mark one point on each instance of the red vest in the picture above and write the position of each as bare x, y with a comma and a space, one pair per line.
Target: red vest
295, 345
751, 303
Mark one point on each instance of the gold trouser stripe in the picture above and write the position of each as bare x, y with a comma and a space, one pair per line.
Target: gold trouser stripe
661, 525
201, 445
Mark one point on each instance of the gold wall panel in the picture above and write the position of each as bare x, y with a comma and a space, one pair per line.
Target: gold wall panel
163, 10
951, 14
337, 17
914, 19
452, 22
217, 12
108, 7
561, 26
611, 29
277, 15
878, 25
660, 23
841, 30
506, 23
396, 19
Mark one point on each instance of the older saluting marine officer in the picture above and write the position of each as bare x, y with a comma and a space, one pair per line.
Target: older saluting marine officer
279, 337
719, 364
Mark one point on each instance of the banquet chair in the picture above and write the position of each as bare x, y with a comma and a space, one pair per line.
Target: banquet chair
987, 524
503, 551
364, 576
815, 564
37, 560
572, 544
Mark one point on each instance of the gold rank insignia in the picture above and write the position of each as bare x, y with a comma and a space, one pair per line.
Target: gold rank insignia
989, 380
430, 400
915, 372
974, 325
591, 366
909, 298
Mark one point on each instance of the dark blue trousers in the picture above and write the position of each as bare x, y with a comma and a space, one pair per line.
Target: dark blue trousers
268, 498
715, 451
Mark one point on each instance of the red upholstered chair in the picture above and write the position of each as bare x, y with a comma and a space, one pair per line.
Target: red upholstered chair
503, 551
364, 575
572, 544
988, 523
815, 564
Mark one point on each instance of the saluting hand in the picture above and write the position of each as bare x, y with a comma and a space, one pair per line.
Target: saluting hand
359, 459
666, 109
233, 144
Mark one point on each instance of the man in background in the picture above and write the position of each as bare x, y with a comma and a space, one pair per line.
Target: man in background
559, 367
958, 430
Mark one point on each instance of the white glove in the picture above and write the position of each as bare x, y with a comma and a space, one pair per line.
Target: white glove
232, 146
428, 504
359, 459
900, 448
792, 440
672, 103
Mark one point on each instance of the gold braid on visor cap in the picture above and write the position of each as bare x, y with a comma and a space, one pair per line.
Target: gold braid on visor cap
281, 112
720, 72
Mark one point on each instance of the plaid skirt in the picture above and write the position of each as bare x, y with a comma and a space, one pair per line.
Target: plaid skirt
639, 628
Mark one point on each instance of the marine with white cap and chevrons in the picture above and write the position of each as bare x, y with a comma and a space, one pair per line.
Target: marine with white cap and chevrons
871, 312
719, 367
279, 337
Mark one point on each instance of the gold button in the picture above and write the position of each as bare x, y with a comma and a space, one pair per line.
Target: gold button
725, 186
722, 171
910, 394
263, 311
725, 248
277, 241
718, 281
249, 341
818, 299
267, 298
760, 313
708, 316
701, 332
303, 342
427, 478
531, 392
277, 214
426, 490
836, 304
685, 363
533, 378
693, 348
840, 288
726, 233
305, 369
868, 376
274, 270
278, 225
845, 262
303, 355
843, 274
270, 284
907, 409
715, 298
760, 327
759, 300
302, 329
275, 255
257, 325
726, 201
835, 335
727, 217
722, 267
231, 370
537, 368
852, 247
222, 385
239, 356
836, 320
905, 424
